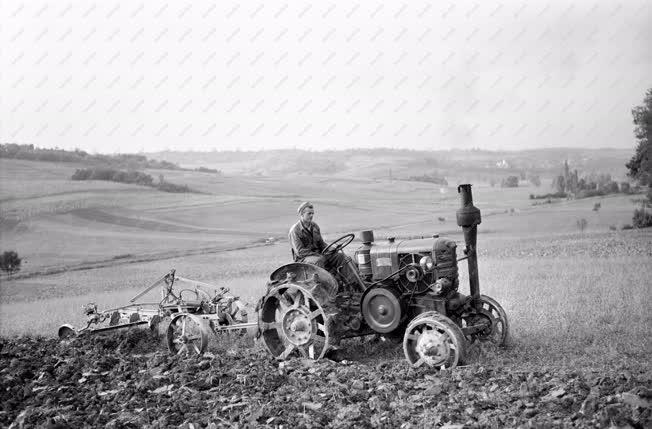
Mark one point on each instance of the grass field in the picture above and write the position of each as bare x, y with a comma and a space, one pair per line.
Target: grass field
567, 292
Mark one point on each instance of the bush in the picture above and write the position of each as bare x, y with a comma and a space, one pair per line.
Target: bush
102, 174
208, 170
429, 179
82, 174
642, 218
548, 196
592, 193
171, 187
10, 262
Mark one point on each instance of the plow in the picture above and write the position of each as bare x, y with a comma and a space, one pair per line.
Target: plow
404, 290
188, 312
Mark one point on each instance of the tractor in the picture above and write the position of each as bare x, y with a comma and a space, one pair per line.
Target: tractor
407, 292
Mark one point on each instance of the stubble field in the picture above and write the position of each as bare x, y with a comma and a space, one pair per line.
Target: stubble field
578, 301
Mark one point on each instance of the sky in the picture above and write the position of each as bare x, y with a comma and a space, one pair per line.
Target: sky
130, 76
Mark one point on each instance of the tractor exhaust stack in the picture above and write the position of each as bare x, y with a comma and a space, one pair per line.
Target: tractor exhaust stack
468, 217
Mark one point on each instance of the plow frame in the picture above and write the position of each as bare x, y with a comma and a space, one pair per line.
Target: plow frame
191, 318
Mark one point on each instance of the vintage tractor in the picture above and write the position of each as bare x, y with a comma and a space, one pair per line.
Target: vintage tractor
406, 290
186, 312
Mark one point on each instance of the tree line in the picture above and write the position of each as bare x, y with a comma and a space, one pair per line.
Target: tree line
130, 177
129, 161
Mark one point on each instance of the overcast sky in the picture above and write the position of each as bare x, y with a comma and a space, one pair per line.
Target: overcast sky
129, 76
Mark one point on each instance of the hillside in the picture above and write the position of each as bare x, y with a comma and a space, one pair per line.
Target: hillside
57, 223
455, 165
577, 301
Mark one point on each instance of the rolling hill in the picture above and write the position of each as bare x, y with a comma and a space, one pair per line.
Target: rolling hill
454, 165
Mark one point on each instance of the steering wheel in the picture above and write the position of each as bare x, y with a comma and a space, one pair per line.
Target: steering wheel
338, 244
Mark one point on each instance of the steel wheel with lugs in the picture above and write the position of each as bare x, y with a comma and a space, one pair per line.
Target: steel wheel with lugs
187, 335
434, 340
292, 321
491, 314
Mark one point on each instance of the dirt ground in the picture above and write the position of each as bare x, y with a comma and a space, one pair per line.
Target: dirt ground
128, 379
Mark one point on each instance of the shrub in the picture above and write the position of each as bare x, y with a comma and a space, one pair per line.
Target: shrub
171, 187
82, 174
627, 226
208, 170
102, 174
642, 218
10, 262
548, 196
429, 179
592, 193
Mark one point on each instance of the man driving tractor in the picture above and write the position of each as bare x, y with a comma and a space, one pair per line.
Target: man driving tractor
309, 247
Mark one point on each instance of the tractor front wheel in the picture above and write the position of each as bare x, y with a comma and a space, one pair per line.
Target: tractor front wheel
435, 340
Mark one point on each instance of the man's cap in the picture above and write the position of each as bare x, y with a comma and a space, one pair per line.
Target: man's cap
303, 206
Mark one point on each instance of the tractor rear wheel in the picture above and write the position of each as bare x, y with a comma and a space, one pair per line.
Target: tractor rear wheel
292, 321
435, 340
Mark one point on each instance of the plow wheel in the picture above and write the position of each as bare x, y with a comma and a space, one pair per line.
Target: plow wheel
67, 332
187, 335
434, 340
292, 321
492, 314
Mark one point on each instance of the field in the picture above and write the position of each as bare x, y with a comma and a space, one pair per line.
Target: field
575, 299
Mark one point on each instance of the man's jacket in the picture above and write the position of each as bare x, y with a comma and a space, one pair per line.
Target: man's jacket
305, 241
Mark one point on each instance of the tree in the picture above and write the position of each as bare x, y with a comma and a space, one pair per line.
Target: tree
640, 166
559, 184
10, 262
510, 182
535, 180
642, 218
612, 187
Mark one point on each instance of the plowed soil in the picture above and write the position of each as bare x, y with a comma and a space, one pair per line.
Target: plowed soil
128, 379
